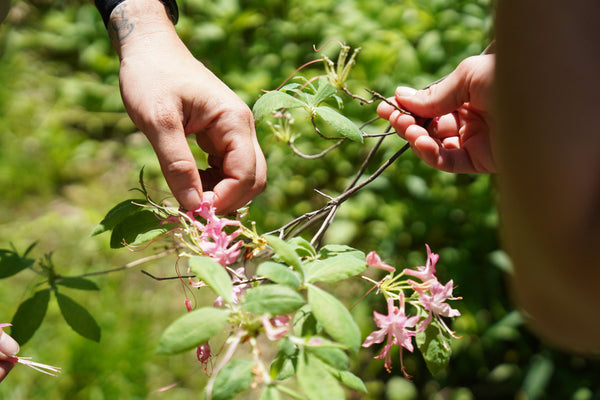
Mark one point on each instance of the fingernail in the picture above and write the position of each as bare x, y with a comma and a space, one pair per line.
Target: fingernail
405, 91
209, 196
190, 199
8, 346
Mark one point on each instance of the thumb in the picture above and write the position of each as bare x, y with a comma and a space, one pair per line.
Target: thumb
440, 98
8, 346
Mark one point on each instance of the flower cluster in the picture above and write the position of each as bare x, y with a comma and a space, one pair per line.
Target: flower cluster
428, 297
212, 239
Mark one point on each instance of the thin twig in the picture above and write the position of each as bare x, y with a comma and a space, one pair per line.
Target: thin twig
129, 265
166, 278
328, 220
314, 156
366, 161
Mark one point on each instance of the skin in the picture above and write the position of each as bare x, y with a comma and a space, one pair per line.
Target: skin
8, 348
169, 95
537, 127
458, 138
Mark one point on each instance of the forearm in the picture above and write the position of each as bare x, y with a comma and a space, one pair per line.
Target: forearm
548, 157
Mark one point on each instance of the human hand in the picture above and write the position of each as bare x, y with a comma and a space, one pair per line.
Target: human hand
169, 94
458, 138
8, 349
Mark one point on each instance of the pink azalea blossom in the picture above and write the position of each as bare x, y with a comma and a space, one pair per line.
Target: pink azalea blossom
393, 327
427, 272
277, 327
373, 260
213, 240
435, 303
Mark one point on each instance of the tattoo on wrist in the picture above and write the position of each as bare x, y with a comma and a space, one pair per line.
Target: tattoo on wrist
122, 27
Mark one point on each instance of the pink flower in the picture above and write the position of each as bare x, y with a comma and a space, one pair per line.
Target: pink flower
213, 240
393, 327
277, 327
426, 272
373, 260
435, 303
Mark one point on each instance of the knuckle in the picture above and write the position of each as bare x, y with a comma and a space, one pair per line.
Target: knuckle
181, 169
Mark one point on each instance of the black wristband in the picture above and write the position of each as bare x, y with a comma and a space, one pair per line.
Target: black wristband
107, 6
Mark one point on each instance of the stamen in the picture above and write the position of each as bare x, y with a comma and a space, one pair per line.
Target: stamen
43, 368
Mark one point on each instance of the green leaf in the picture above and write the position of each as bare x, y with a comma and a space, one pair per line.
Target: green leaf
191, 330
332, 250
78, 317
270, 393
117, 214
328, 353
341, 124
324, 91
305, 324
334, 317
349, 379
316, 381
234, 378
138, 228
12, 263
432, 345
78, 283
334, 268
273, 101
302, 245
286, 253
214, 275
284, 365
539, 375
29, 316
278, 273
273, 300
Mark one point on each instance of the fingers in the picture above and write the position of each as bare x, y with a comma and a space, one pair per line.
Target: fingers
238, 170
440, 98
177, 164
8, 348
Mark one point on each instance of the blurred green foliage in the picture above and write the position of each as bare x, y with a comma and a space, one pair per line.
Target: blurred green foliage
68, 152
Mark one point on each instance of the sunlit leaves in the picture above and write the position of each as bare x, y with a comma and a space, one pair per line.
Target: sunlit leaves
233, 379
334, 269
334, 317
278, 273
286, 253
191, 330
315, 380
432, 345
273, 101
213, 274
272, 299
340, 123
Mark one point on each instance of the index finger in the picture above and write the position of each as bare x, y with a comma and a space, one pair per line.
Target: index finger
178, 166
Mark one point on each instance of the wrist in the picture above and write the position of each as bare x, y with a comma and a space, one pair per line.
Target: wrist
105, 7
137, 24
